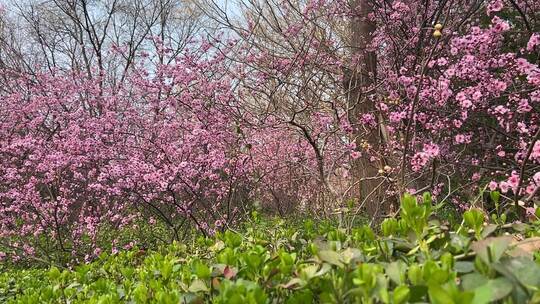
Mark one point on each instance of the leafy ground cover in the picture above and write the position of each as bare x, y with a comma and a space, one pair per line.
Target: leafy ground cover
411, 259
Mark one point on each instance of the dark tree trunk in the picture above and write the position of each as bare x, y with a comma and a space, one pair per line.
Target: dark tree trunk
359, 85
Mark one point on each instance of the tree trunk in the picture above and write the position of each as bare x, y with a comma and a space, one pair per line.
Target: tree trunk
359, 85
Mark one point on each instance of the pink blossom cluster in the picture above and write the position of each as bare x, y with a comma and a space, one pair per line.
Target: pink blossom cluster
475, 96
462, 108
76, 156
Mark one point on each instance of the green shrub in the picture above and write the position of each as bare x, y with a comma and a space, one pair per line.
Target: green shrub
416, 259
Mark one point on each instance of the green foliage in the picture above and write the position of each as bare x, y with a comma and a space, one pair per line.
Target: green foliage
415, 259
474, 219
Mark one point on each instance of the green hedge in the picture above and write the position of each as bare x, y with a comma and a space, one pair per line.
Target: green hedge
413, 259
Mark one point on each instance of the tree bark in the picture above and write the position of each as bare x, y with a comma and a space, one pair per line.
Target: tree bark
360, 85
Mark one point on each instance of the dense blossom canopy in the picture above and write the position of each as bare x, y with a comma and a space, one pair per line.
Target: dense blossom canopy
267, 116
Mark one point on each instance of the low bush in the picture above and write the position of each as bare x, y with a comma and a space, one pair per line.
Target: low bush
411, 259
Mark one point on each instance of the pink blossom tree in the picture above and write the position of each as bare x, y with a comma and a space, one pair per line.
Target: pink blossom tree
77, 157
425, 96
304, 105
